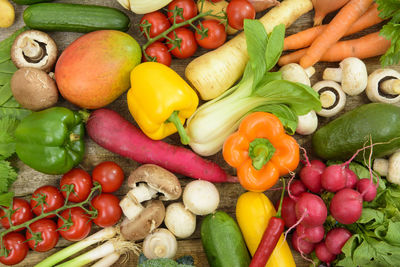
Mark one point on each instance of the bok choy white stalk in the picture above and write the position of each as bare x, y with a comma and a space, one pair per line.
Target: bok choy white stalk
102, 235
259, 90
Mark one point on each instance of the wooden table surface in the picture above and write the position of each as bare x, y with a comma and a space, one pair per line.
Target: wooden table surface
29, 179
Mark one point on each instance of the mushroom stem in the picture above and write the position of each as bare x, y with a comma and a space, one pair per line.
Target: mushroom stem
141, 193
333, 74
327, 99
310, 71
381, 166
32, 49
391, 87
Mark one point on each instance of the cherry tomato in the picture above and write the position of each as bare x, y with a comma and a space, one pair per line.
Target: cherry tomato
81, 224
54, 200
238, 11
109, 211
188, 44
160, 52
22, 213
49, 234
17, 248
216, 35
189, 10
82, 184
159, 23
109, 175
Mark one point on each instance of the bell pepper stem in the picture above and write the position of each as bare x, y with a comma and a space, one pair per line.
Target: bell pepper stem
177, 122
260, 151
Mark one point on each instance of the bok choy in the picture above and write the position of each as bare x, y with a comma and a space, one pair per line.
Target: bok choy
258, 90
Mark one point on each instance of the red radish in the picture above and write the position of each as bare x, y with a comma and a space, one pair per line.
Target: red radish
310, 175
302, 245
288, 212
297, 188
323, 254
346, 206
111, 131
367, 189
311, 210
334, 178
336, 238
352, 178
311, 234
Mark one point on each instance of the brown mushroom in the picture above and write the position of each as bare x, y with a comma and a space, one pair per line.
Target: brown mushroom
34, 49
34, 89
147, 181
150, 218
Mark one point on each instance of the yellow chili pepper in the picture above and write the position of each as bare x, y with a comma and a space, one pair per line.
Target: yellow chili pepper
160, 100
253, 211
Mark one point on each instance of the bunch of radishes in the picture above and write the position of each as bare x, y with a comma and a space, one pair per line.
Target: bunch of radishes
307, 211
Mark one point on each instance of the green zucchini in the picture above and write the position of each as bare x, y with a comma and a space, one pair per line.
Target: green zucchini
342, 137
74, 18
223, 241
30, 2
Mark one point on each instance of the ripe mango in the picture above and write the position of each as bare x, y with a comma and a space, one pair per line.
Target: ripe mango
95, 69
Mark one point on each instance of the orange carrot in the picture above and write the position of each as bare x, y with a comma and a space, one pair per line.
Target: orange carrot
305, 38
334, 31
370, 45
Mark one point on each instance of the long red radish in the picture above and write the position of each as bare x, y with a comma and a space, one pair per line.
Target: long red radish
324, 7
311, 208
346, 206
305, 38
370, 45
336, 238
111, 131
334, 31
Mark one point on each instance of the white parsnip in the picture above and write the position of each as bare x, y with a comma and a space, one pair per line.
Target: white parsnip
214, 72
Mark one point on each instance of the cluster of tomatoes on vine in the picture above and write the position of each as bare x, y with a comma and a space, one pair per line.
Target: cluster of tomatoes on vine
170, 33
67, 212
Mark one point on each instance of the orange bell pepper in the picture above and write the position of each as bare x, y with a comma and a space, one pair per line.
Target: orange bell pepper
261, 151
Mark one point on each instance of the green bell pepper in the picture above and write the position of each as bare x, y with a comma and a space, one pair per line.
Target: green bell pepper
52, 140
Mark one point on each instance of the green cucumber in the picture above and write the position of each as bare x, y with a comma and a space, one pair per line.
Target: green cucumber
223, 241
74, 18
30, 2
342, 137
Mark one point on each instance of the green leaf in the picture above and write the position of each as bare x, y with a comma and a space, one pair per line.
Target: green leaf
256, 40
391, 32
5, 93
18, 113
284, 113
159, 263
7, 127
8, 67
11, 103
388, 8
4, 78
299, 97
5, 45
6, 199
7, 176
371, 215
275, 46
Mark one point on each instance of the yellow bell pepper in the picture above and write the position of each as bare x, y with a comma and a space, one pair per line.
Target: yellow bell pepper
160, 100
253, 211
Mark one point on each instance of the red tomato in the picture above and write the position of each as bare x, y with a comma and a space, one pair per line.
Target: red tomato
159, 23
109, 175
160, 52
188, 44
109, 211
238, 11
189, 10
215, 1
216, 35
82, 184
17, 247
22, 213
81, 224
49, 234
54, 200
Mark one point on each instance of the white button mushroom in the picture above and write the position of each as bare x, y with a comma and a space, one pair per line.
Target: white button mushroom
384, 86
160, 244
332, 98
352, 74
201, 197
307, 124
147, 181
179, 220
